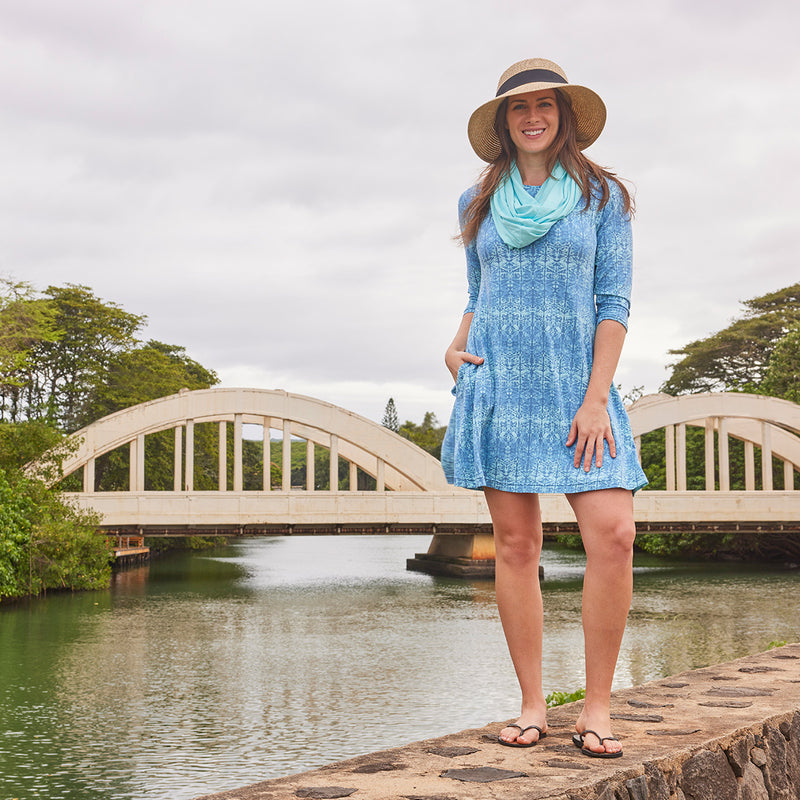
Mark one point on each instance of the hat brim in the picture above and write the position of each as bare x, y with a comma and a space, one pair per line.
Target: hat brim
588, 108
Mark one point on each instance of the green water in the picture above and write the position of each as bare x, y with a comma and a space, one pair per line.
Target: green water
205, 672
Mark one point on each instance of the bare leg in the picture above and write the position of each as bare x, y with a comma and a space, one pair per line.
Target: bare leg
518, 544
606, 523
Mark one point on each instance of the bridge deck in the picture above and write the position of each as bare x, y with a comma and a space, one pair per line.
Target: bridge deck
412, 512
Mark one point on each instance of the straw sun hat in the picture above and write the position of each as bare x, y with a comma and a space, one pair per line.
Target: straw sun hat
531, 75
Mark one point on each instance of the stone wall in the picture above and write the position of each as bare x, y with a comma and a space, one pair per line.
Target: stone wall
762, 763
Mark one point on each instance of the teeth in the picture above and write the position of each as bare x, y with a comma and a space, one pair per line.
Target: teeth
537, 132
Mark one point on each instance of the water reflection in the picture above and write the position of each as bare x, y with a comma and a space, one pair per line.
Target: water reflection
205, 672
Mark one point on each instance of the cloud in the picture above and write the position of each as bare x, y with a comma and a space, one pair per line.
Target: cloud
274, 185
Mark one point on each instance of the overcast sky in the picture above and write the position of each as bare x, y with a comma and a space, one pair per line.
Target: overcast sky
274, 184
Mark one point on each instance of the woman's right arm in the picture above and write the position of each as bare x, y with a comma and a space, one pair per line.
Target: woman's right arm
456, 354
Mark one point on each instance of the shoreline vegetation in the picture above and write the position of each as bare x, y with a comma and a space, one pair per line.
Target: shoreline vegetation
68, 358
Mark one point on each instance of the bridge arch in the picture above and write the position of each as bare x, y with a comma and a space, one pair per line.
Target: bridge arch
393, 461
759, 421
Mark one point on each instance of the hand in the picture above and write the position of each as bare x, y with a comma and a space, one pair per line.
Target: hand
455, 358
590, 428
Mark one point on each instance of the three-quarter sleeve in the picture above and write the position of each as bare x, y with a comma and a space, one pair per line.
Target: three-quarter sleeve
471, 250
613, 260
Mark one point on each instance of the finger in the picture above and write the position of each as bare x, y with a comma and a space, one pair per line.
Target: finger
599, 452
612, 446
579, 451
573, 432
588, 455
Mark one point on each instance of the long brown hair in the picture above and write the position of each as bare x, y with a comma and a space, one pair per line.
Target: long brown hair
589, 176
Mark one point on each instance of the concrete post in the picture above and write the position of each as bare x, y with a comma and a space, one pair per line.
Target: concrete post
140, 463
766, 456
188, 477
333, 477
238, 471
310, 477
380, 477
353, 483
222, 456
136, 464
709, 452
788, 476
680, 446
669, 442
88, 476
266, 456
724, 460
178, 463
749, 467
286, 483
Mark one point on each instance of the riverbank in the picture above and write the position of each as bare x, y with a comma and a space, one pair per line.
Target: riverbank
720, 733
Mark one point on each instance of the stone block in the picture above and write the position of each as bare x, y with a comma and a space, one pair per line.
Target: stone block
658, 785
758, 756
707, 775
739, 753
775, 777
637, 788
793, 753
752, 785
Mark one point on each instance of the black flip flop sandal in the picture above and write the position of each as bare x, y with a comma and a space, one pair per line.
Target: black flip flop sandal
522, 730
578, 741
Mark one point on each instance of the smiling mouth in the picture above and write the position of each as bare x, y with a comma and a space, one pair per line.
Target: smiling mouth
532, 133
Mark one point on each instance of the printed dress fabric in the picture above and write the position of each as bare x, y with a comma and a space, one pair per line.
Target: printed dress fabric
535, 310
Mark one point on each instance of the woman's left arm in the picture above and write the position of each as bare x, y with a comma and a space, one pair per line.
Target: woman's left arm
612, 289
591, 425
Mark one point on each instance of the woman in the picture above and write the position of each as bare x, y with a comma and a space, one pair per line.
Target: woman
547, 238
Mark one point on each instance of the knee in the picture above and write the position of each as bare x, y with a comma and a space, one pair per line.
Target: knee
517, 547
615, 542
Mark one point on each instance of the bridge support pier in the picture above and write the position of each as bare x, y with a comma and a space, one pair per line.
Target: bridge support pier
459, 555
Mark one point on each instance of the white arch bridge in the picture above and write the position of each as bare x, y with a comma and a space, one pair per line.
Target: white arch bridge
410, 493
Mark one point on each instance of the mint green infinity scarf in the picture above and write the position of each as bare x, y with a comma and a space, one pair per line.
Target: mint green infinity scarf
521, 219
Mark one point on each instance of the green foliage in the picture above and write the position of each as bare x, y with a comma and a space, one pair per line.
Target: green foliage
429, 435
91, 332
777, 643
15, 534
46, 543
560, 698
737, 358
144, 373
782, 378
25, 323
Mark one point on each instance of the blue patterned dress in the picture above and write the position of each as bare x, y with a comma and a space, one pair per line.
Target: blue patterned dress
535, 313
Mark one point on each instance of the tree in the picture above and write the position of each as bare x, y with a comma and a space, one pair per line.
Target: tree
144, 373
25, 322
429, 435
66, 370
390, 420
782, 378
736, 358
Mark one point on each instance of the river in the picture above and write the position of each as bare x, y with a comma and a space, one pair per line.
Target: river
204, 672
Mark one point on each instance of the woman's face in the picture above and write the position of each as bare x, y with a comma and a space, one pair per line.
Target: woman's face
532, 121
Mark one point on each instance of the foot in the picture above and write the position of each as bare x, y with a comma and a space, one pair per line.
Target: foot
595, 737
523, 733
